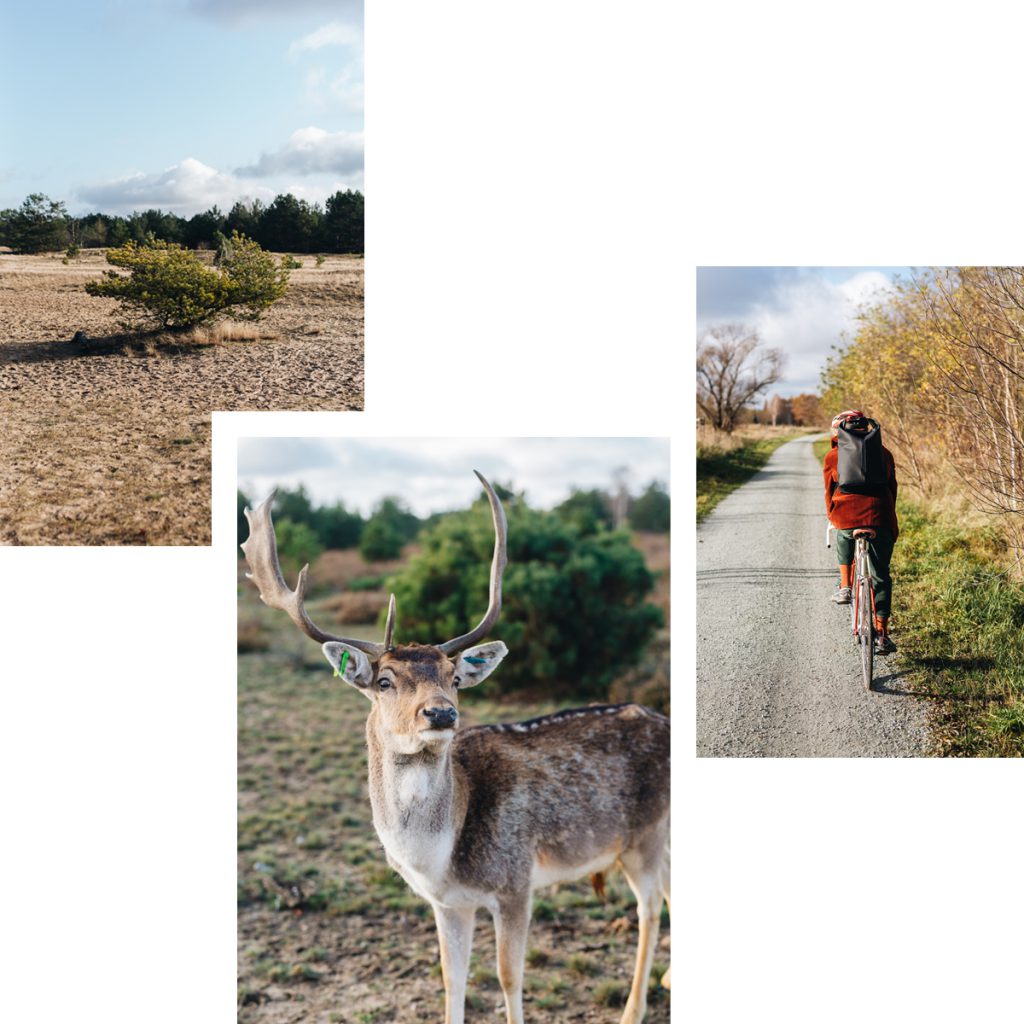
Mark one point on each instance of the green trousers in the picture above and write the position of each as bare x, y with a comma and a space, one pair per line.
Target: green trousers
879, 556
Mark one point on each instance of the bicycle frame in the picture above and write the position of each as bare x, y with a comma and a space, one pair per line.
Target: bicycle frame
862, 598
863, 625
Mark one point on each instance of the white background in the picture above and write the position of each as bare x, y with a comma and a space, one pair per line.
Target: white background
542, 180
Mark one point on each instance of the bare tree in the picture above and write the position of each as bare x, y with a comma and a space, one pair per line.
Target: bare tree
780, 410
733, 368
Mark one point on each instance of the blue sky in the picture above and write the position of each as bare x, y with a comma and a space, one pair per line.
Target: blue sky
127, 104
435, 474
802, 310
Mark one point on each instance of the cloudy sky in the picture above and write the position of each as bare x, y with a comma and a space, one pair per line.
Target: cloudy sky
119, 105
436, 474
802, 310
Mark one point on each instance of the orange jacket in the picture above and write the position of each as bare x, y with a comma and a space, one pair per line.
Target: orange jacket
850, 511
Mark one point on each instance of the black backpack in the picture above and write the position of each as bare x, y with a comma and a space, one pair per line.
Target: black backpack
861, 468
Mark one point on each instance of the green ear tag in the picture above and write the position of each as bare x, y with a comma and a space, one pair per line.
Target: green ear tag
476, 661
339, 673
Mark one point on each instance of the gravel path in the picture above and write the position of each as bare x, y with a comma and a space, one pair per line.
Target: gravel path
778, 674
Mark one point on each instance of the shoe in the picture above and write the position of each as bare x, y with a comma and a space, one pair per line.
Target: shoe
844, 595
884, 644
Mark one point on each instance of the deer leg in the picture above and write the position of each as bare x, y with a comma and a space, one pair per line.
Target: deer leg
511, 924
645, 880
455, 937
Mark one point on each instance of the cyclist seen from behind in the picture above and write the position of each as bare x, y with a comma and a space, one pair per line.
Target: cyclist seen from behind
860, 492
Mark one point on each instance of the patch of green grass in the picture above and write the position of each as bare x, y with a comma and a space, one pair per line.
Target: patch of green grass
366, 582
476, 1001
272, 970
959, 622
537, 957
720, 472
580, 963
611, 993
543, 910
484, 977
551, 1003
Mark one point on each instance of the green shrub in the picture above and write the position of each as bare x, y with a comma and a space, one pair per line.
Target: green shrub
387, 531
589, 510
171, 288
574, 613
652, 510
320, 259
290, 262
297, 545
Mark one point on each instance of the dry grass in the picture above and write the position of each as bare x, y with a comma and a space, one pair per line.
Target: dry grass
361, 606
656, 549
229, 331
708, 437
335, 570
108, 441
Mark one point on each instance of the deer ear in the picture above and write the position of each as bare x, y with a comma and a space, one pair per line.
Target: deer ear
477, 663
356, 669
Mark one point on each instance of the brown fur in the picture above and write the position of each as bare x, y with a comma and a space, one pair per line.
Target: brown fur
482, 816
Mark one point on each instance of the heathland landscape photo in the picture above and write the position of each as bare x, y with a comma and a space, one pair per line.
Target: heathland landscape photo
210, 258
546, 598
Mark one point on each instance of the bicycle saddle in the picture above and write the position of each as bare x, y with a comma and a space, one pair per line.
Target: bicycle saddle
865, 532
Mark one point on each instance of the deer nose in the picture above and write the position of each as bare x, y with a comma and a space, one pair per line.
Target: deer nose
442, 717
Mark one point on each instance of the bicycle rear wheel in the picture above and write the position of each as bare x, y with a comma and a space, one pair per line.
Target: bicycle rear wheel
865, 631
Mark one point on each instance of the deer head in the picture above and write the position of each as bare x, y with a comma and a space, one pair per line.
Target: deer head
413, 687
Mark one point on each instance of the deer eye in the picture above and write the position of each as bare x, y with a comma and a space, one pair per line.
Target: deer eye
456, 681
383, 683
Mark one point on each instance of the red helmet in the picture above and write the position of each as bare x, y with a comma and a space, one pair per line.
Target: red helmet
841, 417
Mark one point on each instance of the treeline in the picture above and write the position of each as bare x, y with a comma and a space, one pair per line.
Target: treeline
940, 363
305, 530
802, 410
287, 224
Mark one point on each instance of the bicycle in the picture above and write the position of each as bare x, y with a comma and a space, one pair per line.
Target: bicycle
862, 606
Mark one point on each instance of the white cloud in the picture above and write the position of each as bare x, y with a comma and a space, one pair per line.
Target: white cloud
801, 311
312, 151
342, 92
808, 316
186, 188
335, 33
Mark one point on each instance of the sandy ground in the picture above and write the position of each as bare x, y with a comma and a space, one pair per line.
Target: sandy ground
778, 674
108, 443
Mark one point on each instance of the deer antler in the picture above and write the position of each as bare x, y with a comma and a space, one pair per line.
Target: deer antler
389, 626
498, 563
261, 554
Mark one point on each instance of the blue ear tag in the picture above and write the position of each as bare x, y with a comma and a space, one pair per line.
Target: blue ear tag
339, 673
476, 661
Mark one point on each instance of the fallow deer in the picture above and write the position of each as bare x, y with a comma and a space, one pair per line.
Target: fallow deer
481, 817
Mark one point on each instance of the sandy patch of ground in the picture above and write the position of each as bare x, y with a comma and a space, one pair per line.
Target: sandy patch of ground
108, 442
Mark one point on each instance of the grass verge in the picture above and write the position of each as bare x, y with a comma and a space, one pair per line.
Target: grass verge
961, 631
720, 472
